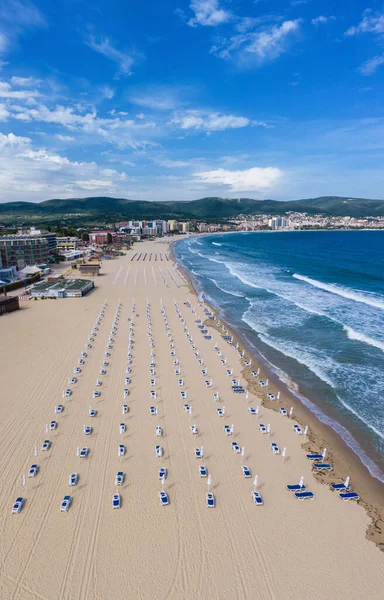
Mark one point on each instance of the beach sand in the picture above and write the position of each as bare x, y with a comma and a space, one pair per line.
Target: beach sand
284, 549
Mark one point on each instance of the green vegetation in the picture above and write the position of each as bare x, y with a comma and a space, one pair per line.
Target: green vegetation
66, 214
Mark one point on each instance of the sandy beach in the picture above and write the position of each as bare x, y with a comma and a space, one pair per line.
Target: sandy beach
284, 549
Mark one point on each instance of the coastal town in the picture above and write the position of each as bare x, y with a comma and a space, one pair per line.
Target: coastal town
27, 255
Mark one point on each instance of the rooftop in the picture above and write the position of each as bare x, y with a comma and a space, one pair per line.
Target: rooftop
62, 284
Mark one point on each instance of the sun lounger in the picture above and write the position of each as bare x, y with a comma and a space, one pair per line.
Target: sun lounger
340, 487
322, 466
349, 496
304, 495
314, 456
296, 488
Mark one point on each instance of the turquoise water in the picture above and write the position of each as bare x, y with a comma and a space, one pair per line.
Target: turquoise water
312, 304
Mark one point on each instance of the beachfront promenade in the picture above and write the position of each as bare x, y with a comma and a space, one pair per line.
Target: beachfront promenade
284, 548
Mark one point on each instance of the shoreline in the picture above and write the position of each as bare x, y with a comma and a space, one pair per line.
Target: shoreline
320, 435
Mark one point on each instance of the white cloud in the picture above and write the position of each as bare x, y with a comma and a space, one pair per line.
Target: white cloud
26, 173
321, 20
21, 13
209, 121
370, 23
370, 66
4, 113
254, 179
105, 47
258, 46
12, 140
6, 91
208, 13
64, 138
25, 81
107, 92
172, 164
160, 97
15, 17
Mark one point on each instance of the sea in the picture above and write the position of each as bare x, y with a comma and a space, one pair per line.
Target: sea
310, 305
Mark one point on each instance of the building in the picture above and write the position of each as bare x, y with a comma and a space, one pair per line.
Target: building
173, 225
21, 250
185, 227
90, 269
278, 222
64, 288
67, 244
50, 237
100, 237
8, 275
9, 304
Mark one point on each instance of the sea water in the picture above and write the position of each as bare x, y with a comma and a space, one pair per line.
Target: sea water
312, 304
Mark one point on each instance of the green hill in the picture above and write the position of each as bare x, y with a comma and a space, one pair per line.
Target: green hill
93, 210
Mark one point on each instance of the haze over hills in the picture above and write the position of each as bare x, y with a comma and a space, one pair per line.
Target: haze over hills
101, 209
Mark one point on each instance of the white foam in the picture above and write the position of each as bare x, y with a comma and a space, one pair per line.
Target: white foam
361, 337
341, 291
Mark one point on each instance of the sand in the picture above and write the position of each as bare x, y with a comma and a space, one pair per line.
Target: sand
284, 549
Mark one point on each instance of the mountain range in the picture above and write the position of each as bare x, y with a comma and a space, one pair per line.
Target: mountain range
98, 210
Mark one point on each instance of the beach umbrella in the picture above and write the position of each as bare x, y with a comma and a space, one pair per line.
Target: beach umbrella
346, 482
324, 453
163, 481
257, 409
291, 412
269, 428
246, 396
255, 481
258, 372
202, 451
24, 480
238, 382
278, 395
301, 482
223, 409
36, 451
283, 453
242, 452
232, 429
46, 428
266, 383
209, 481
77, 451
306, 431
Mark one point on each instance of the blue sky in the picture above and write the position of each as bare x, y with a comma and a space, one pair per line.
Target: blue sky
180, 99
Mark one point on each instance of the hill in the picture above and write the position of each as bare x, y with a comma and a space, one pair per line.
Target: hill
94, 210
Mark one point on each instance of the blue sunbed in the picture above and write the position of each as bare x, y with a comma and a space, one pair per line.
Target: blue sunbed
339, 487
304, 495
322, 466
314, 456
349, 496
296, 488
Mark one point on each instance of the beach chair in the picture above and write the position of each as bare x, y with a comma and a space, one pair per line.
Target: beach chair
314, 456
296, 487
257, 499
339, 487
322, 466
349, 496
304, 495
